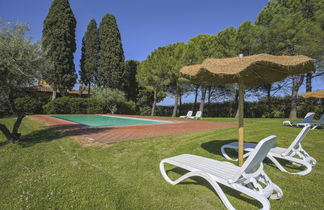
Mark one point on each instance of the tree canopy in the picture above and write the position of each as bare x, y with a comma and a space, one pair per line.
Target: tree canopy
89, 55
59, 45
21, 63
111, 53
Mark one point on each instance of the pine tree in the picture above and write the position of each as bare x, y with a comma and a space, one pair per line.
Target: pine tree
89, 55
111, 54
59, 45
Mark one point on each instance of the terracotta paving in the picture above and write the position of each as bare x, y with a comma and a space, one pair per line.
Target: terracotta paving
108, 135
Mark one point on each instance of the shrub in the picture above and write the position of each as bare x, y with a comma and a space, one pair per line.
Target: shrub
30, 105
110, 98
128, 107
67, 105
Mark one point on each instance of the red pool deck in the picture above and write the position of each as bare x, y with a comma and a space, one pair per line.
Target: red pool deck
109, 135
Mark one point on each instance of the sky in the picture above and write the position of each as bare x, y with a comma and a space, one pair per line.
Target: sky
144, 24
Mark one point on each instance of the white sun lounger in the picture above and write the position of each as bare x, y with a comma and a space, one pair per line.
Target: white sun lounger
189, 114
314, 124
197, 116
249, 179
294, 153
308, 118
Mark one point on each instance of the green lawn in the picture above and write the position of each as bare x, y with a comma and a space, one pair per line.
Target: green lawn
49, 170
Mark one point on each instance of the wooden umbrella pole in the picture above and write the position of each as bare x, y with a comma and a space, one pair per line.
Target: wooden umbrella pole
241, 124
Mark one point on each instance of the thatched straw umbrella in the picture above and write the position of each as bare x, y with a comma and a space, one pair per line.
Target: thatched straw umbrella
249, 71
314, 94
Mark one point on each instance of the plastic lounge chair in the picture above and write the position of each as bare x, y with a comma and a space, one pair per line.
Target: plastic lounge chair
294, 153
308, 118
197, 116
314, 124
189, 114
246, 179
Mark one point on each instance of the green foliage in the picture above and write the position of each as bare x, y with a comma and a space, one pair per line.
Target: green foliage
128, 107
110, 98
228, 42
292, 27
146, 97
59, 45
111, 54
21, 62
68, 105
89, 54
247, 38
201, 47
130, 85
276, 107
29, 105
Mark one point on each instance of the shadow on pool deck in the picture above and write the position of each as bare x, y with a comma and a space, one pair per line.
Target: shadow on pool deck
56, 132
109, 135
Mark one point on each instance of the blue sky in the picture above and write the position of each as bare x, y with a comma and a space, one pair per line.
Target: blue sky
144, 24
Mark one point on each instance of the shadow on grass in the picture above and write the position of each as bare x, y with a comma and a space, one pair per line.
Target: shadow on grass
203, 182
214, 147
56, 132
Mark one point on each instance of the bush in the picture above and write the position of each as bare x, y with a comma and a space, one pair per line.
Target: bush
30, 105
276, 107
67, 105
128, 107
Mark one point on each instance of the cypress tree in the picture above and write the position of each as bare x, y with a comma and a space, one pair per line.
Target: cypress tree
111, 54
59, 45
89, 55
130, 85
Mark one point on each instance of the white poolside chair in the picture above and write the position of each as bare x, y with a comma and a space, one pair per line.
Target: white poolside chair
197, 116
294, 153
314, 124
249, 179
189, 114
308, 118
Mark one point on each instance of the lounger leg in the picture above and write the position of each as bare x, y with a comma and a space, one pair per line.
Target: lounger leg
263, 200
229, 158
212, 182
225, 154
308, 166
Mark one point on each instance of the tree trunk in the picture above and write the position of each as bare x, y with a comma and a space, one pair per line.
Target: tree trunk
54, 94
203, 97
89, 88
268, 88
196, 97
294, 94
209, 94
176, 101
180, 102
236, 100
309, 82
14, 136
154, 102
80, 90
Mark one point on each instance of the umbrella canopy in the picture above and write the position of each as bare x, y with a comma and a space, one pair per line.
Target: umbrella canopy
249, 71
314, 94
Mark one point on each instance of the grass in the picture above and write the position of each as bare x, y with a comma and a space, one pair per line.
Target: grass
50, 170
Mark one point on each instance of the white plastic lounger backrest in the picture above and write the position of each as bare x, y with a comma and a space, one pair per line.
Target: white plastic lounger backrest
309, 117
298, 139
198, 114
189, 114
257, 156
321, 120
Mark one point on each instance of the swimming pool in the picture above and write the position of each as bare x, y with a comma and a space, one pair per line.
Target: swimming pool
104, 120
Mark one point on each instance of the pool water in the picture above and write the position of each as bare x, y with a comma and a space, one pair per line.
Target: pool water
103, 120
